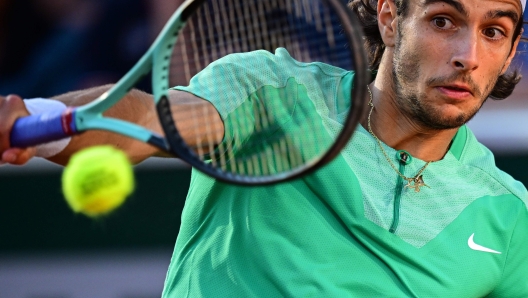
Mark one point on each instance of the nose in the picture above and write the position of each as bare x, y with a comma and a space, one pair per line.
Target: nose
465, 54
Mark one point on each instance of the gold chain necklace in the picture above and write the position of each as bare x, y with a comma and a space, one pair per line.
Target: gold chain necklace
412, 182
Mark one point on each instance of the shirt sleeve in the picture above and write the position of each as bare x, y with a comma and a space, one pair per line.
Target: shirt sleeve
246, 88
264, 98
514, 282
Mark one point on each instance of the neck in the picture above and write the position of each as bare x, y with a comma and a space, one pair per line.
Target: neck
400, 131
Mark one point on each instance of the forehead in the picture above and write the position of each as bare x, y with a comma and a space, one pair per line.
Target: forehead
482, 4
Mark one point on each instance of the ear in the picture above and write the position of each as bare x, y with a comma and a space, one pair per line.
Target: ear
387, 21
512, 53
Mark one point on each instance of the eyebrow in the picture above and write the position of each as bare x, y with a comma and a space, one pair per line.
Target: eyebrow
453, 3
497, 14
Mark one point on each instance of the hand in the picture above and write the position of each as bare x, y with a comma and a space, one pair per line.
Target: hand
12, 107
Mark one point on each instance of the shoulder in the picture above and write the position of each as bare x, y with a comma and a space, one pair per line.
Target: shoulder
266, 67
478, 157
228, 82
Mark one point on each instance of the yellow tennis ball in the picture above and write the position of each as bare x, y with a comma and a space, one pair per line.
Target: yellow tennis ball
97, 180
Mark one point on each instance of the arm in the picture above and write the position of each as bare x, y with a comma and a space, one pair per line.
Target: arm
137, 107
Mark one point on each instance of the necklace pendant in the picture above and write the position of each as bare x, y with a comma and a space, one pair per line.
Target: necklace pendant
416, 183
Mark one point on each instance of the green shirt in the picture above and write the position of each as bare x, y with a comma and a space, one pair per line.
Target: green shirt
350, 229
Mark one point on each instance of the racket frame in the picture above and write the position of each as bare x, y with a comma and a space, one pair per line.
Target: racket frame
157, 60
354, 33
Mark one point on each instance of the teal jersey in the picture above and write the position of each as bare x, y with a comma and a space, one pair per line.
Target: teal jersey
350, 229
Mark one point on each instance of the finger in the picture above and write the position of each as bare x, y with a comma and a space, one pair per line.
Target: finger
18, 156
25, 156
9, 156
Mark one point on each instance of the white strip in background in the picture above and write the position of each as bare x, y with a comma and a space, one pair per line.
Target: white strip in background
85, 275
40, 165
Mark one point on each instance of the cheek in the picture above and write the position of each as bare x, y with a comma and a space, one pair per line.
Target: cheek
429, 54
490, 69
414, 63
436, 52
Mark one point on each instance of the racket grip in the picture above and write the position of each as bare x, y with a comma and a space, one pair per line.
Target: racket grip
43, 128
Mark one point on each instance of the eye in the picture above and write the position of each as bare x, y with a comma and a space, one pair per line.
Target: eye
493, 33
442, 23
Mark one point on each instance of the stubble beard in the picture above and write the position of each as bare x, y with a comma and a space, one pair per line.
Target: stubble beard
406, 73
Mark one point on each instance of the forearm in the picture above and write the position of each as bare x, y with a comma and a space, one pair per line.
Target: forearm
136, 107
197, 121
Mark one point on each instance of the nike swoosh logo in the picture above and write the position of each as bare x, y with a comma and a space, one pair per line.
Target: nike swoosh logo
478, 247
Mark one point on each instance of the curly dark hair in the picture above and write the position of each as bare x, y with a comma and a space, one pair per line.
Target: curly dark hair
367, 15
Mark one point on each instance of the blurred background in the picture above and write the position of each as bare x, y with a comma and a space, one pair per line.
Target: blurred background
48, 47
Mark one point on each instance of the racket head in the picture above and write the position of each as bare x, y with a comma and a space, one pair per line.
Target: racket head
311, 31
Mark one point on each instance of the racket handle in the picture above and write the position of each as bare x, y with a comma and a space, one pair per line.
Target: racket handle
43, 128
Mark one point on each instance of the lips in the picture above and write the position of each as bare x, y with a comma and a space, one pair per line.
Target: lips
461, 88
456, 91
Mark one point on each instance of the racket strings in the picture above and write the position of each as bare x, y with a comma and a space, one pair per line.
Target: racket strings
241, 33
223, 27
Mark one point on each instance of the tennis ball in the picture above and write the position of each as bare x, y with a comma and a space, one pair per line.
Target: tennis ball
97, 180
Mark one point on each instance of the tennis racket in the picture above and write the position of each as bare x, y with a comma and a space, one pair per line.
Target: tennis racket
202, 31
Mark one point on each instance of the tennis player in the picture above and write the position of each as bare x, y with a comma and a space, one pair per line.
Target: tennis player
413, 207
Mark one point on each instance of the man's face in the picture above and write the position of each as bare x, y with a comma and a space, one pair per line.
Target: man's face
449, 55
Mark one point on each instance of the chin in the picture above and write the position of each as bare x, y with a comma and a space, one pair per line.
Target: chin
444, 119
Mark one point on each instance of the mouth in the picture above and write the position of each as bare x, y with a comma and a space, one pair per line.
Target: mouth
456, 91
